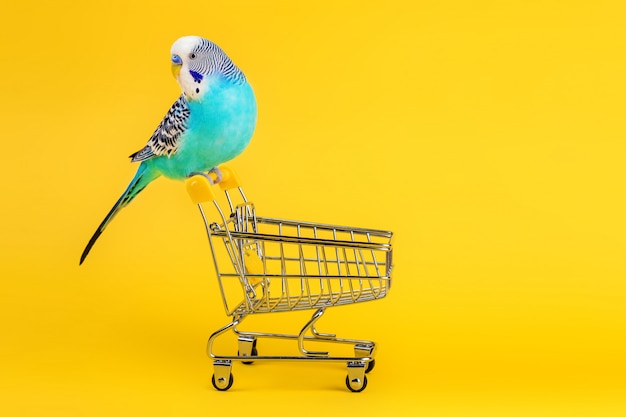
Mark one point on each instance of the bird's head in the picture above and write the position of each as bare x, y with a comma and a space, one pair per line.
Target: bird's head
195, 60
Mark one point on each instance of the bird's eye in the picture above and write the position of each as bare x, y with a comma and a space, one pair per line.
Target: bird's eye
176, 60
192, 56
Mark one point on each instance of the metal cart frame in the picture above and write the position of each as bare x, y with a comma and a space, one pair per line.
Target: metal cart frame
278, 265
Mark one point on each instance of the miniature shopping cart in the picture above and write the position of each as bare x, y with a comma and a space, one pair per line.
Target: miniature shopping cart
267, 265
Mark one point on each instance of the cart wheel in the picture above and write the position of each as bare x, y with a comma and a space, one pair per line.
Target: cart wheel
370, 366
222, 386
253, 353
356, 385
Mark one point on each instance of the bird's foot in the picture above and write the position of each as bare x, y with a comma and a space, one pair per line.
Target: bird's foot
214, 175
206, 175
217, 173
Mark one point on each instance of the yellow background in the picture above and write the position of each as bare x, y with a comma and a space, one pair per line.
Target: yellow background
489, 136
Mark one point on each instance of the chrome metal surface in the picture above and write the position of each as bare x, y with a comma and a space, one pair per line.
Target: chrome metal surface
270, 265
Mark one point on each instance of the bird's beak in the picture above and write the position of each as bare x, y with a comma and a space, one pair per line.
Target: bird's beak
176, 70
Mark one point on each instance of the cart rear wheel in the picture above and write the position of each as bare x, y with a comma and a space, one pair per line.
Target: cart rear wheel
356, 385
222, 385
253, 353
370, 366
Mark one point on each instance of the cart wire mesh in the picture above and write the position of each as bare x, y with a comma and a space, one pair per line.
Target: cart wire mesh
282, 265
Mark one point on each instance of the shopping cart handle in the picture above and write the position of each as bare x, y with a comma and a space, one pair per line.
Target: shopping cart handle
199, 189
229, 179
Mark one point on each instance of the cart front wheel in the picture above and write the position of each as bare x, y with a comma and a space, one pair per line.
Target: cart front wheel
356, 384
221, 384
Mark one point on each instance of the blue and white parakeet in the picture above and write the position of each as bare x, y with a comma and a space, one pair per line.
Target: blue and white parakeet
211, 122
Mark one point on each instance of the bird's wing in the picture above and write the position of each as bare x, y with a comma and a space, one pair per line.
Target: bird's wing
165, 139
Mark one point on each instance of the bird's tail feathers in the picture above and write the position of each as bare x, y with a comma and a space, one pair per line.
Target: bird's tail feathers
141, 179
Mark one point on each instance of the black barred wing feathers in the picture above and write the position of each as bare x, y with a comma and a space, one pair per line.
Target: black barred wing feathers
164, 140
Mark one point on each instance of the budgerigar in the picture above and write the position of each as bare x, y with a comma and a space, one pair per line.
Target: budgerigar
210, 123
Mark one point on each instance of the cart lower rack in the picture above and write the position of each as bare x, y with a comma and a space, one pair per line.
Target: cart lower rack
267, 265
